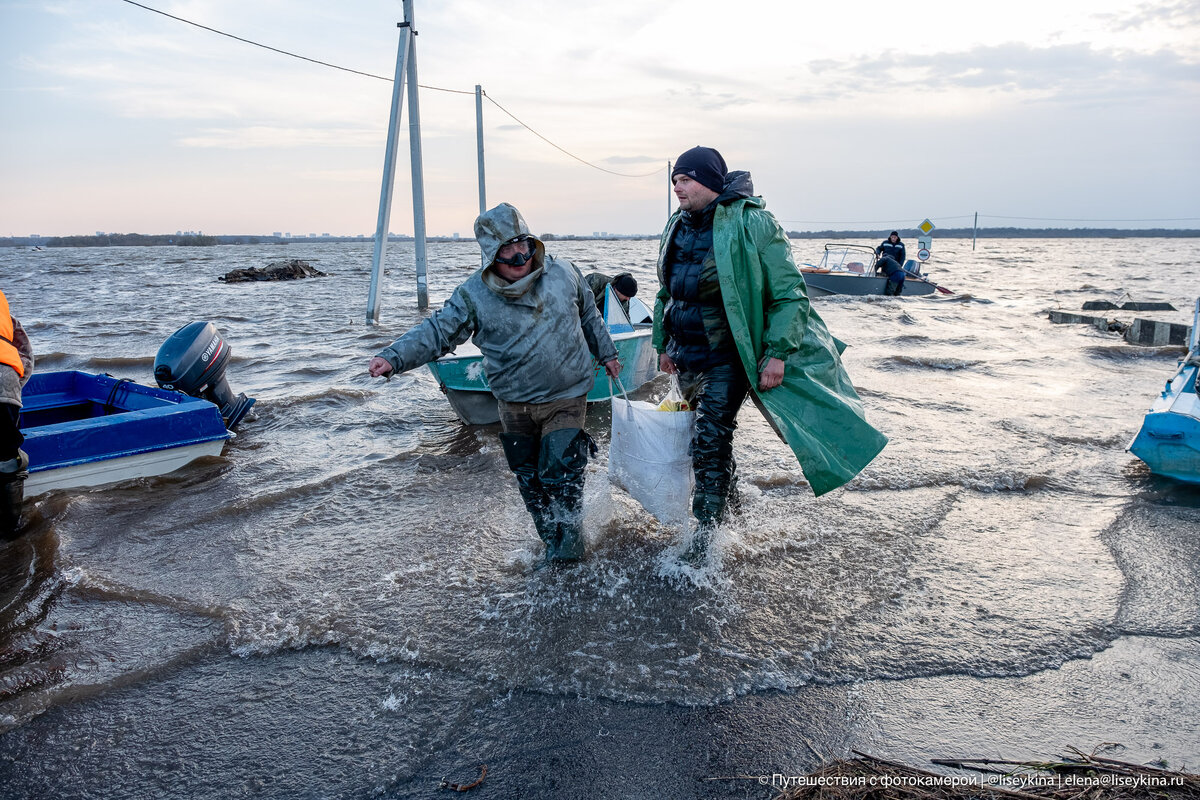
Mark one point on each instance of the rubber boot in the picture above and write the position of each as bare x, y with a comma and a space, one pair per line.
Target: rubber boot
724, 389
561, 464
12, 494
522, 454
733, 496
709, 509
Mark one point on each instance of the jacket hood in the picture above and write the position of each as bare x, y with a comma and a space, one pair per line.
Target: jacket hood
737, 185
496, 226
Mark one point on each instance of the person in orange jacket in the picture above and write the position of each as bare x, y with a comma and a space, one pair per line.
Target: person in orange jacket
16, 365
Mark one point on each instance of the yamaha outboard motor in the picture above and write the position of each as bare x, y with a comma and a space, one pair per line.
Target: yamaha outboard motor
193, 361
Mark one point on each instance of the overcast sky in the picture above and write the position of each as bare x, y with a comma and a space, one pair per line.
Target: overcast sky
848, 114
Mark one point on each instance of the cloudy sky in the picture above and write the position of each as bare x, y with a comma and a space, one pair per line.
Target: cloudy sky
849, 114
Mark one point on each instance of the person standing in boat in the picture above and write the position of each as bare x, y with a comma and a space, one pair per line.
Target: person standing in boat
891, 263
534, 320
732, 318
16, 365
624, 286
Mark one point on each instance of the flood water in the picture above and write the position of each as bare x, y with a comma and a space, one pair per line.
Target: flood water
343, 604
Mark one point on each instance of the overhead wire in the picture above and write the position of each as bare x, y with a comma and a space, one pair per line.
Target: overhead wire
256, 44
572, 155
857, 221
389, 80
1070, 219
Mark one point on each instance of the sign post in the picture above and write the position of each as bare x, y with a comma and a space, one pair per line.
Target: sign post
925, 242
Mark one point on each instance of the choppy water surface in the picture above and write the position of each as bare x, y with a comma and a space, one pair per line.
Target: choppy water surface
343, 604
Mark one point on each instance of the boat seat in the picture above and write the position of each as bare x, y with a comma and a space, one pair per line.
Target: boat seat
37, 402
856, 266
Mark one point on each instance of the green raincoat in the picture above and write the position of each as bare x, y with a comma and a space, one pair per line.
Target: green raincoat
816, 409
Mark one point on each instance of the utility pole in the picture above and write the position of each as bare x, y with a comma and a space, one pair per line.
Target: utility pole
418, 172
479, 141
406, 68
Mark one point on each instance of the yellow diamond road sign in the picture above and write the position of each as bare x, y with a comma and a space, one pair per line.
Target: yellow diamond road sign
926, 227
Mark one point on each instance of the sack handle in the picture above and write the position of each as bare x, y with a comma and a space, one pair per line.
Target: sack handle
620, 386
628, 405
674, 381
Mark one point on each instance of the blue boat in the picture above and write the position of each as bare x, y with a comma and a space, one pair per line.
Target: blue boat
1169, 441
88, 430
461, 377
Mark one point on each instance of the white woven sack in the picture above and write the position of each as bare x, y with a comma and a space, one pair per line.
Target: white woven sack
649, 456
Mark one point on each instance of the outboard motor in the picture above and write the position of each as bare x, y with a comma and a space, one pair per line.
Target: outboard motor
193, 360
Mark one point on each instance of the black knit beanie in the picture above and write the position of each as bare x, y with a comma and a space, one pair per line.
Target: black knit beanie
703, 165
626, 284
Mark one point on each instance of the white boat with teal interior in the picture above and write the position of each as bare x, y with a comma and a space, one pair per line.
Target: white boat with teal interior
462, 378
1169, 441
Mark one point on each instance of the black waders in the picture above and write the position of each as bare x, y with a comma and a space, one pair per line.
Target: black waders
722, 391
522, 455
12, 494
561, 465
550, 474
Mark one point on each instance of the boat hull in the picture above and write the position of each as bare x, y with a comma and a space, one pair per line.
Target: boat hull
826, 284
462, 378
1169, 440
89, 430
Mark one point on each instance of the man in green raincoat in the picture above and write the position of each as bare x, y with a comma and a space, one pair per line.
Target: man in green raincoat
732, 318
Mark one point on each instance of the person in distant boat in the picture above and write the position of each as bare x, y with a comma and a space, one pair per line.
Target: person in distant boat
16, 365
624, 286
537, 326
891, 263
732, 318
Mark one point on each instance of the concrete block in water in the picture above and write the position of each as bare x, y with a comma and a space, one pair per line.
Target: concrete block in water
1132, 305
1157, 334
1100, 323
1147, 307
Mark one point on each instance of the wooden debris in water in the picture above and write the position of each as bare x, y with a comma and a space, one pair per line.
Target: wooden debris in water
465, 787
1077, 776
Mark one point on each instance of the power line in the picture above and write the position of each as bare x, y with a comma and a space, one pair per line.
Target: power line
859, 221
1069, 219
389, 80
572, 155
256, 44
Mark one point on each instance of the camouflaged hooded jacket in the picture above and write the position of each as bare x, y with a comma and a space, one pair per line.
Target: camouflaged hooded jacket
538, 335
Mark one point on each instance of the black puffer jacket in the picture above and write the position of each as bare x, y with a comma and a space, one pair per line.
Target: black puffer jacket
697, 331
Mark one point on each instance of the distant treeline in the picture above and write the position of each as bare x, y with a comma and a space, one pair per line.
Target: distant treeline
200, 240
128, 240
189, 240
1007, 233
